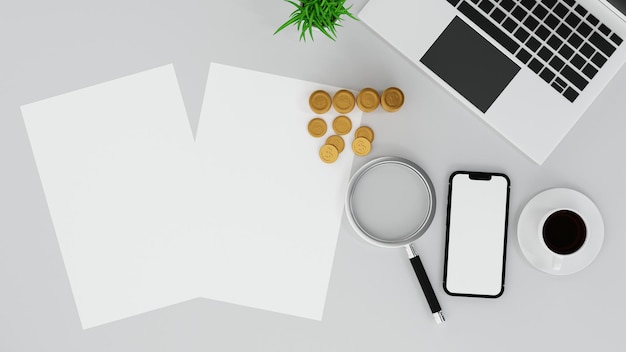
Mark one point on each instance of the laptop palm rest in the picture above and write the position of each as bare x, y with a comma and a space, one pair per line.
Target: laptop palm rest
470, 64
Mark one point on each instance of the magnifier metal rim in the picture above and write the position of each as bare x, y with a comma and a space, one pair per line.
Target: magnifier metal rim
372, 238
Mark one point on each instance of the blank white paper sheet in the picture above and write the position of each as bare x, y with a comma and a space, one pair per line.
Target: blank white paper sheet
147, 217
277, 206
113, 159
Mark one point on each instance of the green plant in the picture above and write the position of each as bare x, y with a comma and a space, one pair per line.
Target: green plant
324, 15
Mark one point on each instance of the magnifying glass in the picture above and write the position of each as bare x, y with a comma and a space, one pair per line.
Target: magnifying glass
390, 203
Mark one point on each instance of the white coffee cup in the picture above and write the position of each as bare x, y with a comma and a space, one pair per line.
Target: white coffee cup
563, 233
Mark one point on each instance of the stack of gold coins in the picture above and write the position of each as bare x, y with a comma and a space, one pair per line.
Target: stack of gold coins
337, 142
343, 101
392, 99
363, 138
330, 151
334, 145
367, 100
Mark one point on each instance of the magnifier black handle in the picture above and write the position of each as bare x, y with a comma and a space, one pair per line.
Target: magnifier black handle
427, 288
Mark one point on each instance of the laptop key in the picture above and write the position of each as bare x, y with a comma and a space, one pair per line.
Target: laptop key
486, 25
584, 30
528, 4
521, 34
570, 94
581, 10
554, 42
552, 21
556, 63
548, 3
593, 20
486, 5
566, 51
509, 24
587, 50
590, 71
507, 4
454, 2
560, 82
498, 15
535, 65
604, 29
533, 44
575, 40
542, 32
599, 60
578, 61
547, 75
523, 56
545, 54
531, 23
616, 39
577, 80
557, 87
570, 2
573, 20
519, 13
560, 10
564, 31
540, 11
607, 48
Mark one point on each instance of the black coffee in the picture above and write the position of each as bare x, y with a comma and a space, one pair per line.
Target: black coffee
564, 232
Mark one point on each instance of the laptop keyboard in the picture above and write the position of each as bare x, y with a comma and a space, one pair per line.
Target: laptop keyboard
559, 40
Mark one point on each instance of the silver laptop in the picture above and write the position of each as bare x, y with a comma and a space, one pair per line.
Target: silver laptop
529, 68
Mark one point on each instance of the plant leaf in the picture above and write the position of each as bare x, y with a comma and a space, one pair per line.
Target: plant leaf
294, 4
311, 31
286, 24
323, 30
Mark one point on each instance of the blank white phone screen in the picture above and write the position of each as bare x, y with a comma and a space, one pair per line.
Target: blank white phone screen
476, 235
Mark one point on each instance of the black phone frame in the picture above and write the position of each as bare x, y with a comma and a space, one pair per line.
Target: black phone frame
478, 175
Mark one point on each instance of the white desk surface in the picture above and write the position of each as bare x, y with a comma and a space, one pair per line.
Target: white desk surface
374, 302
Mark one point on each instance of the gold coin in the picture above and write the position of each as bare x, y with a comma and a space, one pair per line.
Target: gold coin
320, 102
317, 127
361, 146
343, 101
342, 125
337, 142
392, 99
329, 153
366, 132
367, 100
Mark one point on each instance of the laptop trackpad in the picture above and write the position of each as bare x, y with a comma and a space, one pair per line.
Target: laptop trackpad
470, 64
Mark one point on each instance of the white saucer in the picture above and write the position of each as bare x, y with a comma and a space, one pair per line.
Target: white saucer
528, 227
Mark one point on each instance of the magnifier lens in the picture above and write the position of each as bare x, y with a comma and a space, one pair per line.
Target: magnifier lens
391, 202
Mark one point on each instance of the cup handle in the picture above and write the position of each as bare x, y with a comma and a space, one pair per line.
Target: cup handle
556, 263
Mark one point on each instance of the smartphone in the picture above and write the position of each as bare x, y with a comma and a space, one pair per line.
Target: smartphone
476, 232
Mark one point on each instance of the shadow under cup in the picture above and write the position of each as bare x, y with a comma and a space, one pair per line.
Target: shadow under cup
564, 232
